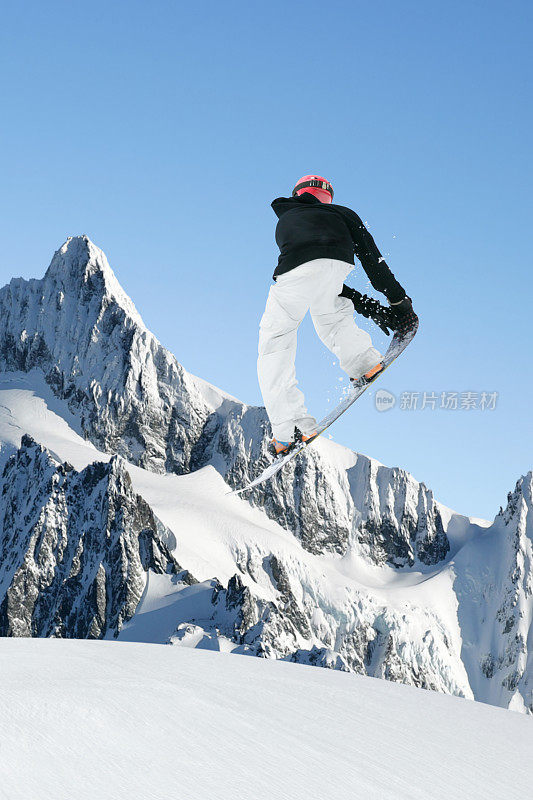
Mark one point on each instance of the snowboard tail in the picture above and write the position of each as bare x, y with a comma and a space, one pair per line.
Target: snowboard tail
402, 337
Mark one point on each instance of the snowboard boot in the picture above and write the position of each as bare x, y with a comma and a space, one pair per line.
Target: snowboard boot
304, 437
371, 375
277, 448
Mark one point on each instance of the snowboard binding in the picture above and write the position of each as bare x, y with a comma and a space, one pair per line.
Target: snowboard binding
369, 376
277, 449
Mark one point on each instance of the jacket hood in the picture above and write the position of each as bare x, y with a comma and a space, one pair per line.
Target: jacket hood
283, 204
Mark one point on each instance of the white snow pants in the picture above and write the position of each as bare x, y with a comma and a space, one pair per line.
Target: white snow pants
314, 285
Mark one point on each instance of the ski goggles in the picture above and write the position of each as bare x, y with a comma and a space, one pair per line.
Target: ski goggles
314, 184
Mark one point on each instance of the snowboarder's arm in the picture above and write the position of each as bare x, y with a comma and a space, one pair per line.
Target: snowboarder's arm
371, 259
394, 316
369, 308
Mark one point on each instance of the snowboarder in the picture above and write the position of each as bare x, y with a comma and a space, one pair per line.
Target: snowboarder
317, 242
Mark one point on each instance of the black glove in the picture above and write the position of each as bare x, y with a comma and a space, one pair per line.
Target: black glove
371, 309
405, 306
403, 316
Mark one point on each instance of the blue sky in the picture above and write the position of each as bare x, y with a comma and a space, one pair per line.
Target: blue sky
163, 130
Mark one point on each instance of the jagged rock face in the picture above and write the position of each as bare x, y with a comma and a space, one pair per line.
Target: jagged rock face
133, 398
84, 333
74, 547
310, 497
383, 512
396, 518
496, 605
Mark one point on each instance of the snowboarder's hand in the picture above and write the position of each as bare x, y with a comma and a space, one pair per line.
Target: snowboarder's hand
403, 315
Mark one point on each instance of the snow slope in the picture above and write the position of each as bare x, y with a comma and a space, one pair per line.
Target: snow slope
120, 721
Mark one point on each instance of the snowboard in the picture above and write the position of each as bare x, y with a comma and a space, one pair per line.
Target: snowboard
402, 337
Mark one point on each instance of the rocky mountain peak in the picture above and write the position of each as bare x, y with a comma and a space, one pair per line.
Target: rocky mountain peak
520, 501
81, 270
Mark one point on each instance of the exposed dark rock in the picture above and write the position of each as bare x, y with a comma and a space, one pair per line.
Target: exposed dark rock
74, 547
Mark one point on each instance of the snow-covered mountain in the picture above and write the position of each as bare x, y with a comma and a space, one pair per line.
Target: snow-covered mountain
131, 397
75, 546
115, 519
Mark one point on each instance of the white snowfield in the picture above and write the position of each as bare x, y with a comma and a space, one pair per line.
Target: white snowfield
84, 720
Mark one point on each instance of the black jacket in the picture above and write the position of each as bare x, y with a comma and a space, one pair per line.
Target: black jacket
308, 229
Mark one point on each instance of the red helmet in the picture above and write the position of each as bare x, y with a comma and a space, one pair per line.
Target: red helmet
316, 185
